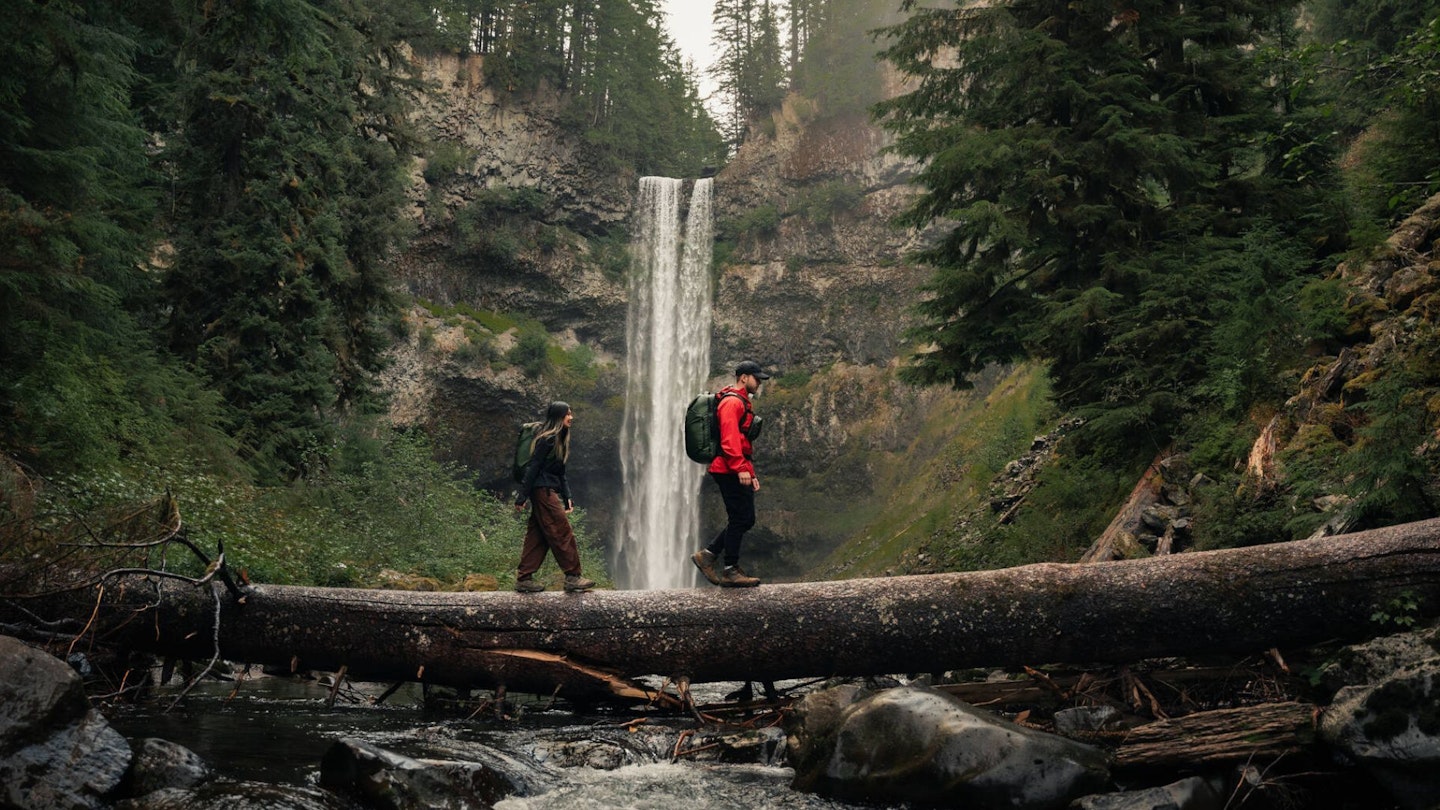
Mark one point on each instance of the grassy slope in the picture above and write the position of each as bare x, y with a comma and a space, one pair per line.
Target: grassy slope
940, 481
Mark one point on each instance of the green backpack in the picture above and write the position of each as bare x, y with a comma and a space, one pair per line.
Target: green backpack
702, 427
524, 443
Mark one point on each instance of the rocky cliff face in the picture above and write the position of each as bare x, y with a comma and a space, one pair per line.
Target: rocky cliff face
815, 276
504, 145
809, 281
539, 270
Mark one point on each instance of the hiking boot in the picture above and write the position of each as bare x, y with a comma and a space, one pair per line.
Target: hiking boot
575, 583
733, 577
528, 585
704, 559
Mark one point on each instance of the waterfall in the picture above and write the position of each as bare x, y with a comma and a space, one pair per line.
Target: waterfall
667, 332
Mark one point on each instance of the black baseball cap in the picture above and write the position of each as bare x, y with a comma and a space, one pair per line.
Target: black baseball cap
752, 368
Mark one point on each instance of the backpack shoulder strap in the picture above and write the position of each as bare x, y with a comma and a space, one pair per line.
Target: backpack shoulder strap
720, 397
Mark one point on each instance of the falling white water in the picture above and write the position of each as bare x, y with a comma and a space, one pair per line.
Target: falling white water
667, 333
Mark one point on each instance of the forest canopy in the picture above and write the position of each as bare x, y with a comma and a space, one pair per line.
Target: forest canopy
1152, 199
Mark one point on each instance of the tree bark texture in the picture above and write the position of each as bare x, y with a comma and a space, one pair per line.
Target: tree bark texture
1263, 732
1232, 601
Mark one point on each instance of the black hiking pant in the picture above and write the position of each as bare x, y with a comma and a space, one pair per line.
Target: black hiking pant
739, 512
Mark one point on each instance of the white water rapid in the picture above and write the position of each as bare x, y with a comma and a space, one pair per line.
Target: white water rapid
667, 333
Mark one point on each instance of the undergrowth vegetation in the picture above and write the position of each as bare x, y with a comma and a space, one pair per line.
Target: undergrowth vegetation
386, 515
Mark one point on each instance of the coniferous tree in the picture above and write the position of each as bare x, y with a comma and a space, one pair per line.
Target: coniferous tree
732, 26
1380, 63
750, 65
83, 383
765, 74
624, 85
841, 64
635, 97
1105, 177
285, 200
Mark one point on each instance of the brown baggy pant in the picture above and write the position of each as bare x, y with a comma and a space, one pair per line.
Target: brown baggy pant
548, 530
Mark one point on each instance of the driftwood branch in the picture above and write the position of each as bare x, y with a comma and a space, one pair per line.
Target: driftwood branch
1222, 735
594, 645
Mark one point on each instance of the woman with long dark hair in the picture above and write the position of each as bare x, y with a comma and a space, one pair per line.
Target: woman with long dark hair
545, 487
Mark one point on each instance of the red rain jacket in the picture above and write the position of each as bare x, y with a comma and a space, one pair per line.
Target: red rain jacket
735, 417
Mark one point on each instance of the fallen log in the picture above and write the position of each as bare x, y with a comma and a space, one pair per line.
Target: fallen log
1057, 690
592, 646
1260, 732
1119, 537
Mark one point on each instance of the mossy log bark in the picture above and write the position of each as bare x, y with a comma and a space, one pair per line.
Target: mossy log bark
592, 645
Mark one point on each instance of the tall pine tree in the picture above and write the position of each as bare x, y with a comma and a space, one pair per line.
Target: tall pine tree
286, 194
749, 68
83, 384
1103, 175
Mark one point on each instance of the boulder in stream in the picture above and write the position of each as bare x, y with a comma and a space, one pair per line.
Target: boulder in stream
161, 764
222, 794
384, 779
1193, 793
915, 744
55, 751
1392, 728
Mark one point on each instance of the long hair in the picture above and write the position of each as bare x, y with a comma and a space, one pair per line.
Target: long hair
554, 428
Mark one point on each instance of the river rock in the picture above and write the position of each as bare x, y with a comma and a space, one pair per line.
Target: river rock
1374, 660
384, 779
1193, 793
915, 744
55, 751
227, 795
161, 764
1392, 728
1087, 719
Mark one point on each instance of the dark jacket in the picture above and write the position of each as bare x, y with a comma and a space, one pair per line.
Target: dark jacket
544, 469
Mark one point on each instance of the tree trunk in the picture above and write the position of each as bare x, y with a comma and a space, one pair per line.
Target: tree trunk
589, 645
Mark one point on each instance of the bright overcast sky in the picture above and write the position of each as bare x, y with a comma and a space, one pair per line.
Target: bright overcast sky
688, 22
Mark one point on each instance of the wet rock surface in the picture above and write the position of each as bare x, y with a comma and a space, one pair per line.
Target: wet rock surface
384, 779
1392, 728
160, 764
232, 795
55, 751
1193, 793
915, 744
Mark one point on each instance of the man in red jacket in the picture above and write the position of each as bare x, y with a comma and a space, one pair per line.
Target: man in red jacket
734, 473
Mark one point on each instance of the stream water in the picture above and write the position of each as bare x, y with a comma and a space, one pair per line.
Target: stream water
276, 730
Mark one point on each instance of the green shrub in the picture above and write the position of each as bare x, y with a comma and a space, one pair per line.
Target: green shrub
798, 378
547, 238
821, 204
444, 160
760, 222
611, 253
531, 351
1323, 316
